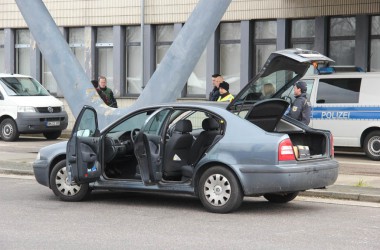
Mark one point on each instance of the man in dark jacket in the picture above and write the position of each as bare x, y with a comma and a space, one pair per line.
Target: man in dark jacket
300, 109
110, 99
216, 80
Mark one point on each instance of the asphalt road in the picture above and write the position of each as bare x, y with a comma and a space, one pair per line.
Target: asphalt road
33, 218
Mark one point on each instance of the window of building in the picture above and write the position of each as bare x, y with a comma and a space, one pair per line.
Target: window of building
104, 54
375, 44
76, 43
48, 80
303, 33
22, 47
264, 41
164, 38
343, 90
133, 66
196, 84
342, 40
2, 56
230, 55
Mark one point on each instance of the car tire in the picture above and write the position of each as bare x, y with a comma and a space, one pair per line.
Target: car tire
9, 131
52, 135
372, 145
281, 197
64, 190
219, 190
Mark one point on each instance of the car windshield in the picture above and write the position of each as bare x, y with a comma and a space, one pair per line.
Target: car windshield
23, 86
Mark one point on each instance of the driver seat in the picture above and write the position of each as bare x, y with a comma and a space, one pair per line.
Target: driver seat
177, 149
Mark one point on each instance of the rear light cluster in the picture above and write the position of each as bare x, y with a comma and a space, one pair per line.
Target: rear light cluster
285, 151
331, 146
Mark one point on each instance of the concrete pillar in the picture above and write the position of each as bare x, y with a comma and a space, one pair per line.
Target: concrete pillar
9, 50
119, 61
283, 34
362, 41
246, 52
321, 35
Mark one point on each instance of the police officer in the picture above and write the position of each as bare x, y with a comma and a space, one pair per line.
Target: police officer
225, 96
300, 109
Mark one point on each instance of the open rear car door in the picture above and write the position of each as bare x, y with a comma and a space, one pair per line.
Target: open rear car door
149, 146
83, 148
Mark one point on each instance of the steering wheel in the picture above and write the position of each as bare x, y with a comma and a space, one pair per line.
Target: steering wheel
134, 134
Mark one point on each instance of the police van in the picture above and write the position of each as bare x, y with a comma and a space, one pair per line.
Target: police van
26, 107
347, 104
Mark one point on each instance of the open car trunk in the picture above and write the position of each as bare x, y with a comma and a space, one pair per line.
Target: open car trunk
307, 143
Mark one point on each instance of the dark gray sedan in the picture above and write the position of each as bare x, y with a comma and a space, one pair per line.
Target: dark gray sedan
216, 152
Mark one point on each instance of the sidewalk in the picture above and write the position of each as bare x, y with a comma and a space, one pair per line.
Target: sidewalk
351, 187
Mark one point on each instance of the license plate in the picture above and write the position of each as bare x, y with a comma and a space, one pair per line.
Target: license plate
53, 123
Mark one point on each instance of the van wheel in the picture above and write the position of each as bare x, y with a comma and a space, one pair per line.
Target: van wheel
52, 135
372, 145
9, 131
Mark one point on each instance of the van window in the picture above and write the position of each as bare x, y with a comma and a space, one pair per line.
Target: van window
289, 93
343, 90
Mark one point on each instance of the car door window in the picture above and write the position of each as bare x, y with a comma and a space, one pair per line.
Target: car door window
87, 125
154, 125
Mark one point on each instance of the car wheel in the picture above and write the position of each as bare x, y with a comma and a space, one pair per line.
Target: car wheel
281, 197
52, 135
372, 145
219, 190
64, 190
9, 131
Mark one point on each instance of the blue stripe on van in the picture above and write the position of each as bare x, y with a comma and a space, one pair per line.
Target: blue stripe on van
346, 113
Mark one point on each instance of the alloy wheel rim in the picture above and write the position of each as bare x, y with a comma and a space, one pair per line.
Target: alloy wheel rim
63, 186
217, 190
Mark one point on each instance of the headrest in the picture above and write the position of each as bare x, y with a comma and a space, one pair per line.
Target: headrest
184, 126
210, 124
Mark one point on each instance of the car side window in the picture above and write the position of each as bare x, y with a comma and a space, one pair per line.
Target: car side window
338, 90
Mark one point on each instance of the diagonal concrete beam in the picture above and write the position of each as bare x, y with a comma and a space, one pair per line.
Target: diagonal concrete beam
165, 84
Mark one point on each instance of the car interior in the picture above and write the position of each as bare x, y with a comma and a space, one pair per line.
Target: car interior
187, 134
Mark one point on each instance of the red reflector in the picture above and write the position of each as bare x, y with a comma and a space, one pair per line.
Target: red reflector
332, 152
285, 151
85, 175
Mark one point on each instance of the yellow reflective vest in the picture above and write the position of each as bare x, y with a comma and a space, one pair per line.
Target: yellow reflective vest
227, 98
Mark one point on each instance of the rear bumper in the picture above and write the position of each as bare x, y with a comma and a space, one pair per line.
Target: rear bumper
288, 178
41, 122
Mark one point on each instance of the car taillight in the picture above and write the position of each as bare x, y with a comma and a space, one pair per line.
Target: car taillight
331, 146
285, 151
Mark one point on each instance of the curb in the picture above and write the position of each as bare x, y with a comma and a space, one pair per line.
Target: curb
16, 172
356, 196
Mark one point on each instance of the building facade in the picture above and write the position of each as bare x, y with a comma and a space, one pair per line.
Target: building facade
107, 38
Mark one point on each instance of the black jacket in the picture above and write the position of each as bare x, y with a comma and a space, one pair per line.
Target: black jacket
300, 109
214, 94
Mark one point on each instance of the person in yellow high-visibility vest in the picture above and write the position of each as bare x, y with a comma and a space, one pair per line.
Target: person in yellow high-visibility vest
225, 96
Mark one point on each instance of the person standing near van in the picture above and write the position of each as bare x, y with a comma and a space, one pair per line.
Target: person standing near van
216, 80
225, 96
300, 109
110, 101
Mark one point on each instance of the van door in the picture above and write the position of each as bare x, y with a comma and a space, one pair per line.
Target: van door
83, 148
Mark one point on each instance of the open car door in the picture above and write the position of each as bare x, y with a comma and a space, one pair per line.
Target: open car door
148, 146
83, 148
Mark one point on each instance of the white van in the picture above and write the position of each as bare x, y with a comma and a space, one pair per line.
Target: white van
26, 107
347, 104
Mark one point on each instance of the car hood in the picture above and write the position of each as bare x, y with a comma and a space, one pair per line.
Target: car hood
282, 69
